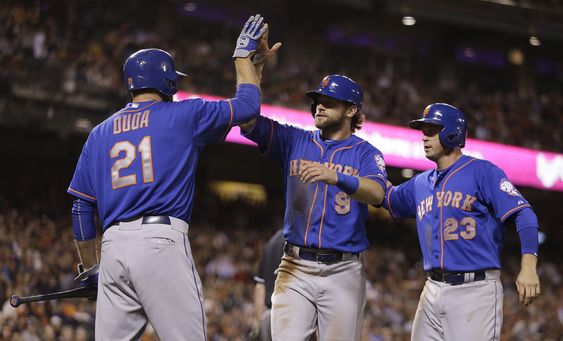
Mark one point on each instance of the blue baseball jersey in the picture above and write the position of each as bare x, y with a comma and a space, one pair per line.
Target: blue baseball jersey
459, 213
142, 159
319, 215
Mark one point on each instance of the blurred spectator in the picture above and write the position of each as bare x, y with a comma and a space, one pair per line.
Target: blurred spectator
84, 57
79, 50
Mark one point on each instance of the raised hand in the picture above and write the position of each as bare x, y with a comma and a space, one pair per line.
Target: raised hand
249, 37
264, 52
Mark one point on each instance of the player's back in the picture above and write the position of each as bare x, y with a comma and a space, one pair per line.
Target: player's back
143, 158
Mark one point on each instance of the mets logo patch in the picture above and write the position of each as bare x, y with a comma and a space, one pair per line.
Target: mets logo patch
426, 110
380, 162
508, 187
325, 82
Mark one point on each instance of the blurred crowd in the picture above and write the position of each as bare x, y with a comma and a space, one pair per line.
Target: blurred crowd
37, 255
75, 50
49, 51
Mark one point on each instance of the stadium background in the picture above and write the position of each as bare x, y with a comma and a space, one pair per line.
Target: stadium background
60, 75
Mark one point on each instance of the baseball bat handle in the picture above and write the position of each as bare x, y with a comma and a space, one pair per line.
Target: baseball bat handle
83, 292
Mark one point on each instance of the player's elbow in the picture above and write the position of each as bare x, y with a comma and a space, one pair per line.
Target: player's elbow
376, 195
376, 200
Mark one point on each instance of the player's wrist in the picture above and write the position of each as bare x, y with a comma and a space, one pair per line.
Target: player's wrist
529, 261
348, 183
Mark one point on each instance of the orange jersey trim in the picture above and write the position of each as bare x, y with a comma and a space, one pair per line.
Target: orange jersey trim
342, 148
138, 109
314, 196
81, 194
271, 137
513, 210
322, 217
310, 213
326, 188
389, 204
230, 120
319, 145
441, 211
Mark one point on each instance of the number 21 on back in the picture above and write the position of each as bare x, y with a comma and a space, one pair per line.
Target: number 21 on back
118, 181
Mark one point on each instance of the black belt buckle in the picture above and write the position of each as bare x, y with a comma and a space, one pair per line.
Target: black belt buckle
456, 278
328, 258
319, 256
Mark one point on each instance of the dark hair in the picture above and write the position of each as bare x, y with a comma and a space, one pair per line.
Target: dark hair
357, 120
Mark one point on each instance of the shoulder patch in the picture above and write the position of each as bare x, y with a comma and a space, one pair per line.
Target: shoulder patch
508, 187
380, 162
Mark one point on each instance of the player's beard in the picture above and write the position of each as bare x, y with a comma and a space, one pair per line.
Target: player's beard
330, 123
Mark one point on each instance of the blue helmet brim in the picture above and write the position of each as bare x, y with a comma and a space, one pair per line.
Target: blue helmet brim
417, 124
313, 95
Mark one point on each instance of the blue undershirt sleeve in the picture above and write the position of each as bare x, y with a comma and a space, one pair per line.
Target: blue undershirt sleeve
83, 220
527, 226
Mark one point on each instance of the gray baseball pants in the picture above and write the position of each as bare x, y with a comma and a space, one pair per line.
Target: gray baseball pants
147, 272
308, 293
464, 312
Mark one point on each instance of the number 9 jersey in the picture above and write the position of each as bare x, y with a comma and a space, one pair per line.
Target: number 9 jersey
142, 159
459, 213
318, 215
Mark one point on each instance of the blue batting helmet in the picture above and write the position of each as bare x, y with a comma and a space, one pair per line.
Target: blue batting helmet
151, 69
452, 120
338, 87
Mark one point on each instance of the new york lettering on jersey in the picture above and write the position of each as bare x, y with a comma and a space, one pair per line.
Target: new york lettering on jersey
451, 206
315, 212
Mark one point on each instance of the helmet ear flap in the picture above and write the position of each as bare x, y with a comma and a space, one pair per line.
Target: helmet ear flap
452, 137
171, 84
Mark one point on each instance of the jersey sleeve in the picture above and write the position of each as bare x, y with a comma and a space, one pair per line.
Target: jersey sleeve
400, 201
211, 121
273, 138
372, 166
81, 184
499, 193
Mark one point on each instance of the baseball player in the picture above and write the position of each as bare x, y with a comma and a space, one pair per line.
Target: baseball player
330, 177
460, 208
137, 169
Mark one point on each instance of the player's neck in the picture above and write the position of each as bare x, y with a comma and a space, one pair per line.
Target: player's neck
337, 135
449, 159
145, 97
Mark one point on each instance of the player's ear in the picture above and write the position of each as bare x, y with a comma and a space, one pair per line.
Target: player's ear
351, 111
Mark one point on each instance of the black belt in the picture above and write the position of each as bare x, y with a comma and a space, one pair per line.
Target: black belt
324, 256
156, 219
147, 219
456, 277
151, 219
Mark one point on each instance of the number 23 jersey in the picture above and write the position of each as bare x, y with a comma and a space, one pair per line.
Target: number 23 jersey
459, 213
